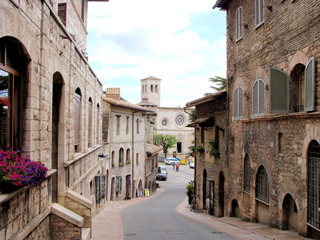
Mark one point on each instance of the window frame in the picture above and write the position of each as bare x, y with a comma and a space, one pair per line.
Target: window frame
239, 23
259, 13
259, 112
262, 185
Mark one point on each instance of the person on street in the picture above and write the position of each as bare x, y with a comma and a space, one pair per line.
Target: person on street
173, 165
177, 167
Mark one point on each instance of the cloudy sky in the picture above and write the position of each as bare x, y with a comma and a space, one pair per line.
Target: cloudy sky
181, 42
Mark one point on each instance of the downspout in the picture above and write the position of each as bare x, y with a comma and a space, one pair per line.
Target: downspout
132, 162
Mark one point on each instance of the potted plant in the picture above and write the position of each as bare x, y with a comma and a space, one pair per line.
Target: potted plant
190, 192
17, 171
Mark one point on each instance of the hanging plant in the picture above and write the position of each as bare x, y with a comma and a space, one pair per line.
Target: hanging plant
214, 148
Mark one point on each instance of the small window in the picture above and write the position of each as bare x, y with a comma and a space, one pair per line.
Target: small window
127, 125
121, 153
118, 124
238, 103
128, 156
156, 88
262, 185
280, 142
259, 12
137, 158
246, 174
62, 12
98, 124
90, 122
239, 23
77, 119
151, 88
258, 97
138, 126
112, 159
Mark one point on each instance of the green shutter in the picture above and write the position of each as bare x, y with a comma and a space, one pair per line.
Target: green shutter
240, 102
310, 86
255, 95
261, 97
279, 91
236, 103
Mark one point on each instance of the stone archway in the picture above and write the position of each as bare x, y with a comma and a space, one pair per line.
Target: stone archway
235, 210
289, 214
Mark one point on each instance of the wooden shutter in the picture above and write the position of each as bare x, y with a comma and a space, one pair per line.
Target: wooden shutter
255, 94
279, 91
310, 86
62, 12
236, 103
240, 100
98, 188
261, 97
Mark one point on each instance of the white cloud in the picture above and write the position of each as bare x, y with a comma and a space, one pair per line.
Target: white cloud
130, 40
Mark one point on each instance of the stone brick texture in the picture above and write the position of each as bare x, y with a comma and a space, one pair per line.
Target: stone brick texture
288, 36
61, 229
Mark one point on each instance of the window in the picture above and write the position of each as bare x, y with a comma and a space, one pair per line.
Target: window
98, 124
151, 88
118, 185
239, 23
90, 122
246, 174
137, 158
112, 159
279, 91
310, 86
127, 125
12, 62
238, 103
62, 12
138, 127
128, 156
121, 153
313, 165
258, 106
156, 88
262, 185
118, 124
280, 142
77, 119
179, 147
259, 12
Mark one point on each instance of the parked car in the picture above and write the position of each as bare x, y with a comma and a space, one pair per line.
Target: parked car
162, 173
170, 161
191, 165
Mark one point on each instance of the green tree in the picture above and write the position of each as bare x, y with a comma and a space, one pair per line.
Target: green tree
220, 84
165, 141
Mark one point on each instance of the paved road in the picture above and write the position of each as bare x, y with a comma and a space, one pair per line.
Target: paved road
156, 219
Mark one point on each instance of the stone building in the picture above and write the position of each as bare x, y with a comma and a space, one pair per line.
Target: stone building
211, 158
169, 120
124, 127
273, 155
50, 109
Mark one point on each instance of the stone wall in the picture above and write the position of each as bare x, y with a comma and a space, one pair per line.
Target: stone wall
62, 229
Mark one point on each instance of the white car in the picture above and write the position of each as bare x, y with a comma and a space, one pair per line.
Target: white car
170, 161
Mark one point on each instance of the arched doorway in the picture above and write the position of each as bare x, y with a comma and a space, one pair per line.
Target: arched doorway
112, 189
56, 134
204, 188
290, 214
221, 195
235, 210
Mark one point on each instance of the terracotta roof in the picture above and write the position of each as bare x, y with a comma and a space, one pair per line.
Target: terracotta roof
222, 4
125, 104
152, 149
205, 99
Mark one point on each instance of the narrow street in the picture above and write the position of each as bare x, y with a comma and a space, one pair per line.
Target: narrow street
157, 218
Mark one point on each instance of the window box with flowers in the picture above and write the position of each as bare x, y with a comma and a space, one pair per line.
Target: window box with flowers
17, 171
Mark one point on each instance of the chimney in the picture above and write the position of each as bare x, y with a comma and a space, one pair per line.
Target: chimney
113, 93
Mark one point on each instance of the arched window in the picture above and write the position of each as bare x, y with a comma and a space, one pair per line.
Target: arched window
258, 97
98, 125
121, 153
128, 156
77, 119
297, 88
238, 103
151, 88
262, 185
112, 159
13, 63
90, 122
313, 166
156, 88
246, 174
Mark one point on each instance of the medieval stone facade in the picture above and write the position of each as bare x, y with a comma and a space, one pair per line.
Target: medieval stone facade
271, 172
51, 110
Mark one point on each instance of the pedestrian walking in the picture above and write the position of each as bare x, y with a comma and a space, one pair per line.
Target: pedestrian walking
173, 166
177, 167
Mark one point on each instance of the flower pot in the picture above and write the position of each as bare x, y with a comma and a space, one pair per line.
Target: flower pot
7, 187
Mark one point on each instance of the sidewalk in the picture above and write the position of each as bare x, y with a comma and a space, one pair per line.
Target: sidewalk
236, 227
107, 224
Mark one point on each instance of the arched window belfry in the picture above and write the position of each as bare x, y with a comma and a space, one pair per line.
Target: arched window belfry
156, 88
262, 185
151, 88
